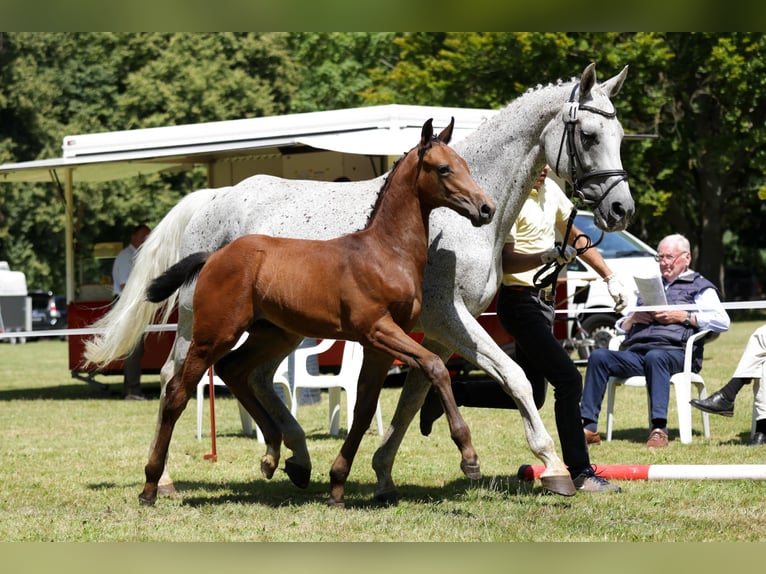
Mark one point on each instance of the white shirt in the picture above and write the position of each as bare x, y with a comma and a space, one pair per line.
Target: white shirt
122, 267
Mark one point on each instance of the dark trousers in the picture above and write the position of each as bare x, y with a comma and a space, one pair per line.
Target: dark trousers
132, 370
656, 365
530, 322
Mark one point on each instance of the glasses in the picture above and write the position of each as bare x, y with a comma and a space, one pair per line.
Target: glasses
667, 258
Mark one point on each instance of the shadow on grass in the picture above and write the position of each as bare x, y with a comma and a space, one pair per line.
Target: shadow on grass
281, 492
78, 391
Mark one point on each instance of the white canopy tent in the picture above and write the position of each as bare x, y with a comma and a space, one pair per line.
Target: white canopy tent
382, 131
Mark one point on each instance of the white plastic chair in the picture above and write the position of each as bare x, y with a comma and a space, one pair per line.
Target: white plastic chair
346, 380
682, 383
280, 378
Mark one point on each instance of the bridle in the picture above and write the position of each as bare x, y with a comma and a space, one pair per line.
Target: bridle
568, 136
578, 196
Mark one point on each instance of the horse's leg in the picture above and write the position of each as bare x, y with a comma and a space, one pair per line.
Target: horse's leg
177, 393
371, 377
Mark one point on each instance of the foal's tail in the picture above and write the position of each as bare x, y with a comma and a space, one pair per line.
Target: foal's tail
126, 321
185, 271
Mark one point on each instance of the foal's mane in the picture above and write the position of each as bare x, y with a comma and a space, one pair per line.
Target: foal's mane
389, 177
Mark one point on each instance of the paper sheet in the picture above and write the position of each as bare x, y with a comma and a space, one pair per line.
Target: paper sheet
651, 289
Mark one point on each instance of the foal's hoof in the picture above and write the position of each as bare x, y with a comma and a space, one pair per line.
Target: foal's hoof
335, 503
471, 469
388, 497
562, 485
299, 475
267, 467
146, 500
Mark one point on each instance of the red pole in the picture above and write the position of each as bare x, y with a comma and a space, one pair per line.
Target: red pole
213, 455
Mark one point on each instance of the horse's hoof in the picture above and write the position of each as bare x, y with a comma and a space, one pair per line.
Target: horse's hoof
388, 497
167, 489
335, 503
562, 485
299, 475
471, 469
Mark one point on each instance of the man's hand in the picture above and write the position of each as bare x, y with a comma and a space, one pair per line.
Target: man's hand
618, 292
553, 254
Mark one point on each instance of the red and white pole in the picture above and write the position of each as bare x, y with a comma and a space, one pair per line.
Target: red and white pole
664, 471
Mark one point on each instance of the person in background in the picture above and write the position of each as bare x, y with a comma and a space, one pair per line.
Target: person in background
655, 341
750, 367
121, 269
527, 313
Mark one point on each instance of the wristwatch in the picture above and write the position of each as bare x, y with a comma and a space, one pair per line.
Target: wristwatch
688, 320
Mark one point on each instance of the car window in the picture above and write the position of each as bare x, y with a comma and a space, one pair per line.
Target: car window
613, 245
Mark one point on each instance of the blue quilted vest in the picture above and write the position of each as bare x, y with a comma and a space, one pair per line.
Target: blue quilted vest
643, 338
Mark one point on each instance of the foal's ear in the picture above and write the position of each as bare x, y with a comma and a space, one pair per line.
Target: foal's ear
427, 134
446, 134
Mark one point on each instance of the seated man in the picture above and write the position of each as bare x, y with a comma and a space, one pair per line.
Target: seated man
749, 367
655, 341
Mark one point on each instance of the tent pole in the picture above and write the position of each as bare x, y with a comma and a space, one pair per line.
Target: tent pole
69, 234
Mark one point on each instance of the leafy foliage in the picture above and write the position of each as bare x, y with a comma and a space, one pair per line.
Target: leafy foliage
700, 94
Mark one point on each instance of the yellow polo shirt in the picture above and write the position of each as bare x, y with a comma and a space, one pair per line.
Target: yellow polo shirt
535, 228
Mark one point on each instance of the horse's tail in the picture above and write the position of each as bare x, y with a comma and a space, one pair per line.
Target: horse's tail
185, 271
126, 321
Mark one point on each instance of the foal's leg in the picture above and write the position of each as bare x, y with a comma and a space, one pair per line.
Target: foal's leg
173, 364
258, 358
415, 355
413, 393
371, 378
459, 330
177, 393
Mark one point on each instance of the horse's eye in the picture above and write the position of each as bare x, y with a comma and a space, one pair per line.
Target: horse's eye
588, 139
444, 170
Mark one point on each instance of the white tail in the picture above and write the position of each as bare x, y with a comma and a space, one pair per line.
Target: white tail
125, 323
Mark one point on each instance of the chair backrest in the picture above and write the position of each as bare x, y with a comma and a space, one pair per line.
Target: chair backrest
351, 365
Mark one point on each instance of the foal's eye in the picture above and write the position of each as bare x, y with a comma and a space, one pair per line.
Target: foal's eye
444, 170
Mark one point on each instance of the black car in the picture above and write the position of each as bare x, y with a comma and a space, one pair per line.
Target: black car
48, 311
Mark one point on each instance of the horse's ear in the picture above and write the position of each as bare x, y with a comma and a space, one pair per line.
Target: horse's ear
446, 134
427, 133
588, 80
613, 85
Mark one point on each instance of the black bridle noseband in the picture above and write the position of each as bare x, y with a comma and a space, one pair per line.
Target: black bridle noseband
568, 137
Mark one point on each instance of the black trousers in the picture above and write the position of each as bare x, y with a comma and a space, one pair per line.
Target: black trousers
529, 321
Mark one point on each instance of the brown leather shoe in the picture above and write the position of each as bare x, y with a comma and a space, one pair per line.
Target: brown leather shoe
592, 437
657, 439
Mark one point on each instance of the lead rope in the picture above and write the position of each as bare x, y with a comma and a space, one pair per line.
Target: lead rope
548, 273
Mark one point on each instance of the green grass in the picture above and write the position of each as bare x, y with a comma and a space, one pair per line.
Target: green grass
73, 466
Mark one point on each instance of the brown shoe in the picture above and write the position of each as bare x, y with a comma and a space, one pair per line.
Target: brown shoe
657, 439
592, 437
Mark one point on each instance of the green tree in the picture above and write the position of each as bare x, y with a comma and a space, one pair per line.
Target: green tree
56, 84
699, 93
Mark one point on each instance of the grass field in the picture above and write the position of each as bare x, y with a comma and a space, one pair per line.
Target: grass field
73, 466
